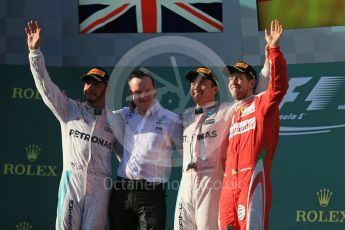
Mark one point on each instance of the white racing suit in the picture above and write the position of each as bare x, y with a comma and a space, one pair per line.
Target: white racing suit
205, 142
87, 143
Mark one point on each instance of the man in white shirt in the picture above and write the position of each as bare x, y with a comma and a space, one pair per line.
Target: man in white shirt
151, 132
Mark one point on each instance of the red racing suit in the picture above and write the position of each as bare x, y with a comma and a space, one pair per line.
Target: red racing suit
246, 192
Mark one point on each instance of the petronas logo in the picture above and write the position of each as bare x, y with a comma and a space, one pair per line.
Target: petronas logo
23, 225
32, 152
324, 197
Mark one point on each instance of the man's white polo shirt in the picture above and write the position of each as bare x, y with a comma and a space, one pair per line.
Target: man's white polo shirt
148, 143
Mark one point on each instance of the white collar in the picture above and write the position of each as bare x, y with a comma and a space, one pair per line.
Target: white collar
205, 107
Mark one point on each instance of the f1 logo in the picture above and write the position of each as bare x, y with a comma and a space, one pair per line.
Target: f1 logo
319, 96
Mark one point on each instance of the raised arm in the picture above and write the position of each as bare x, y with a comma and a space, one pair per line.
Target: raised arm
278, 84
51, 94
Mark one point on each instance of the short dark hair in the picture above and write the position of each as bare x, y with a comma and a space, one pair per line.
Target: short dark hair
137, 73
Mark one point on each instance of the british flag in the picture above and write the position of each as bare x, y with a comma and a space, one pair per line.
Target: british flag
150, 16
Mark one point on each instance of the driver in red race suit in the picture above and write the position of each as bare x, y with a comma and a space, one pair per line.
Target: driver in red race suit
246, 191
205, 141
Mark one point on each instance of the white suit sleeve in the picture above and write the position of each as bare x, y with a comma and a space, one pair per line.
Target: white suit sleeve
117, 125
263, 79
50, 93
176, 133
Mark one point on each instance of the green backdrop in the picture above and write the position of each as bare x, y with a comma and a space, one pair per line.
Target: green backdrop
310, 157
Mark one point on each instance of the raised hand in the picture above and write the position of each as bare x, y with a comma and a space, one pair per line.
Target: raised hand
272, 37
33, 34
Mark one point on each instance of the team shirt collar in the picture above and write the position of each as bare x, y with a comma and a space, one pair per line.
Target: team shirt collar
204, 108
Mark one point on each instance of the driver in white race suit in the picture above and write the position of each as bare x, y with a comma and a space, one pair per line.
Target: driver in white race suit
87, 142
205, 140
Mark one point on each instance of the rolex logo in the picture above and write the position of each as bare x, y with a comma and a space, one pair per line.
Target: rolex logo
24, 226
32, 152
324, 215
324, 197
32, 168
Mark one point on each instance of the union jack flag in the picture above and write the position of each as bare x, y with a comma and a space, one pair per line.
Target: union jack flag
150, 16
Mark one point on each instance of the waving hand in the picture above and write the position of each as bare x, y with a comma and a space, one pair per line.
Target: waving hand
272, 37
33, 34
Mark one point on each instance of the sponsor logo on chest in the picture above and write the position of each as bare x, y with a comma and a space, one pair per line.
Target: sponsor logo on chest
242, 127
107, 128
248, 110
87, 137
